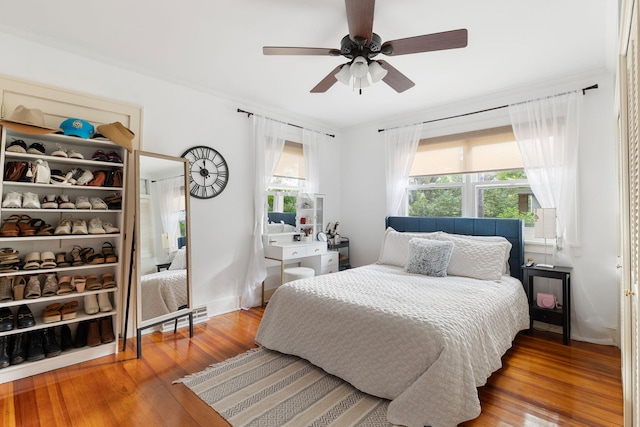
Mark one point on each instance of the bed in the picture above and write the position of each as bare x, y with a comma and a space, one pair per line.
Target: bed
423, 341
165, 291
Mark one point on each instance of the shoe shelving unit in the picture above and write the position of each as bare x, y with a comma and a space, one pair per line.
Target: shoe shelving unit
63, 243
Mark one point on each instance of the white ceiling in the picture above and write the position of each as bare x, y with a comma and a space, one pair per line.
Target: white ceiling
216, 46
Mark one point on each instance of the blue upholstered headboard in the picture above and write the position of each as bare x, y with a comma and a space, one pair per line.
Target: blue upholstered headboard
182, 240
509, 228
287, 217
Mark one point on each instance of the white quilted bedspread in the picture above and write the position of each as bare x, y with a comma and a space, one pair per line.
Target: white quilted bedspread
423, 342
163, 292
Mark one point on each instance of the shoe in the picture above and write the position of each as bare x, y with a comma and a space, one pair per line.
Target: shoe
19, 283
36, 148
79, 227
64, 227
51, 344
10, 226
98, 203
60, 152
73, 154
25, 317
95, 226
114, 201
106, 330
79, 283
4, 352
19, 348
61, 259
13, 199
76, 257
52, 313
48, 260
65, 285
32, 290
81, 334
17, 146
93, 284
6, 289
66, 343
64, 202
93, 334
91, 304
32, 261
104, 302
109, 228
49, 202
25, 227
108, 281
30, 201
42, 228
113, 157
50, 287
6, 319
69, 310
82, 202
35, 347
99, 156
84, 178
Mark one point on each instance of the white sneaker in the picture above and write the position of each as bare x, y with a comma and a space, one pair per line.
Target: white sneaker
79, 226
64, 227
109, 228
12, 200
82, 202
73, 154
30, 201
95, 226
97, 203
60, 152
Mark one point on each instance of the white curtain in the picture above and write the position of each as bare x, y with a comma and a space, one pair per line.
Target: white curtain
167, 193
313, 143
400, 146
547, 133
268, 142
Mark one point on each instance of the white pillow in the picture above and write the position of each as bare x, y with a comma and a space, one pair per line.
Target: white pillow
506, 270
395, 246
179, 260
478, 259
429, 257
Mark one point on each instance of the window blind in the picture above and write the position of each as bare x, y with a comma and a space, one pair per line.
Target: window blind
478, 151
291, 164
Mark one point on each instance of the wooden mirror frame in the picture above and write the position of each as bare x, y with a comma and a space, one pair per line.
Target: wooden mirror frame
141, 323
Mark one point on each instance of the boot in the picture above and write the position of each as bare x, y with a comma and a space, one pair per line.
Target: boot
106, 330
51, 345
103, 302
19, 348
4, 351
93, 334
81, 334
35, 349
66, 343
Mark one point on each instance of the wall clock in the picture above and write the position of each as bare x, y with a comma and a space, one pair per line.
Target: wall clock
209, 172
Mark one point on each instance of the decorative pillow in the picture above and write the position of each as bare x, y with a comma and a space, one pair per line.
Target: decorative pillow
429, 257
506, 270
477, 259
395, 246
179, 260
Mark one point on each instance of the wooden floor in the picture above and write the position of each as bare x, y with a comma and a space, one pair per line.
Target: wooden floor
542, 383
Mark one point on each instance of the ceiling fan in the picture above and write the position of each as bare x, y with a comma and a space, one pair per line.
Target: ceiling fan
362, 45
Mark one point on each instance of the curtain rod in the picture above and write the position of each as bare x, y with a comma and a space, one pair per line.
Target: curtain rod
584, 91
249, 114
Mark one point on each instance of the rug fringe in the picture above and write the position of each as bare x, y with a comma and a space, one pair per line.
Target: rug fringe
217, 364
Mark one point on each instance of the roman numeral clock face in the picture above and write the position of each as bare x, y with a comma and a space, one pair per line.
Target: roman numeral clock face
209, 172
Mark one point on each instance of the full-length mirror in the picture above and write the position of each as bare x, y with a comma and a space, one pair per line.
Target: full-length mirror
162, 240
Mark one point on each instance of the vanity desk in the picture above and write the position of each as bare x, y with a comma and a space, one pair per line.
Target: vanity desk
285, 248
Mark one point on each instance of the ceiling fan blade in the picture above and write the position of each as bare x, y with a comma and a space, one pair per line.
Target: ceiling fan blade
427, 43
360, 19
276, 50
394, 78
326, 83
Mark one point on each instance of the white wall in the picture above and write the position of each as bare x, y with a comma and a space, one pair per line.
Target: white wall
176, 118
595, 294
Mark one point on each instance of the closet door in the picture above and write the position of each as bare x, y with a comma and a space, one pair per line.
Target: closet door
629, 229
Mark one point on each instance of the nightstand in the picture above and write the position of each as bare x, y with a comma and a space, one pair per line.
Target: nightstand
163, 266
560, 316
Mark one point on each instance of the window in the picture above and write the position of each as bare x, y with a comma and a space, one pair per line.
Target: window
288, 179
472, 174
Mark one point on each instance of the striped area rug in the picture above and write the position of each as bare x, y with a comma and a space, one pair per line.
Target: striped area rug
265, 388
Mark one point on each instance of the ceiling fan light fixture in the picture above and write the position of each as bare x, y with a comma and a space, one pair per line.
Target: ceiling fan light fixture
359, 83
377, 72
359, 68
344, 75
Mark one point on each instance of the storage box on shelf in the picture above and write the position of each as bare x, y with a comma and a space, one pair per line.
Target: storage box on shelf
90, 259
